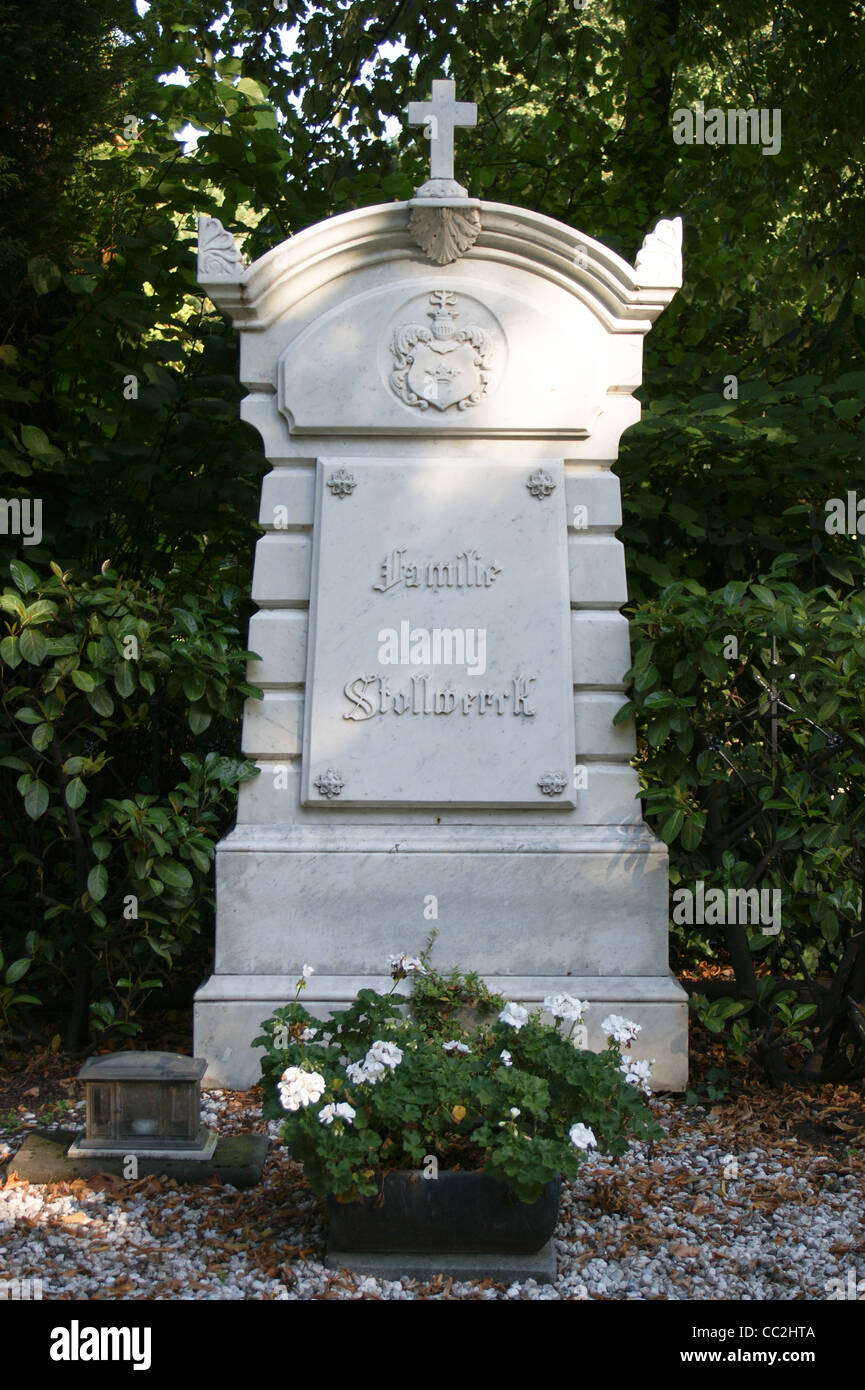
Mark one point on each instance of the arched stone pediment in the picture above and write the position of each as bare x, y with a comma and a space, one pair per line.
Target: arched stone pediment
560, 316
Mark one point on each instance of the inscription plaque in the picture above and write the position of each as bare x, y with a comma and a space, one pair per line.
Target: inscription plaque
439, 666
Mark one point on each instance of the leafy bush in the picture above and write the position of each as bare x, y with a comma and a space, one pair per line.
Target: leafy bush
370, 1091
752, 711
109, 874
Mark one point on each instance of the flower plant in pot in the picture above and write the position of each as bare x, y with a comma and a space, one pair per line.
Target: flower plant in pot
422, 1134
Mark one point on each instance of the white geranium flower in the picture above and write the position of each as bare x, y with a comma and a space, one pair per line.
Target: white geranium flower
565, 1006
637, 1074
621, 1030
384, 1054
307, 971
298, 1088
514, 1015
342, 1111
455, 1046
308, 1034
582, 1137
380, 1057
365, 1073
514, 1112
506, 1058
405, 965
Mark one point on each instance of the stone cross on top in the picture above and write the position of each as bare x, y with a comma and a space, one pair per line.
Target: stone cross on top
441, 116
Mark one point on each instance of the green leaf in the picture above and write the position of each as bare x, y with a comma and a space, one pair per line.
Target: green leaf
713, 665
840, 570
76, 793
101, 701
10, 651
101, 848
761, 941
199, 859
42, 611
17, 970
124, 679
36, 800
23, 576
658, 730
659, 699
39, 446
671, 826
763, 595
83, 680
692, 834
42, 735
194, 684
43, 273
174, 874
199, 720
33, 646
97, 882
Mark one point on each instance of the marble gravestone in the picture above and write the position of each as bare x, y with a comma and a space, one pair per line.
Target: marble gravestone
440, 385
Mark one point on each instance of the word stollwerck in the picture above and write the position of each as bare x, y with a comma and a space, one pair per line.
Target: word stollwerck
371, 695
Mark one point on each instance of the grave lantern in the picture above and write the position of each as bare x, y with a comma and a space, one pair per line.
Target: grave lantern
144, 1103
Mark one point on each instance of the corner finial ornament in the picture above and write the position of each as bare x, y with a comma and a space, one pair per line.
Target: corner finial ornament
218, 256
659, 259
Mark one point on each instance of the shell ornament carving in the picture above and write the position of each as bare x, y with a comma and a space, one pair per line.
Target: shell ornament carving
445, 234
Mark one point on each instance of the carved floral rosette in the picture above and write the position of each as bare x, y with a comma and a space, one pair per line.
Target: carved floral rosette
553, 783
342, 483
540, 484
329, 784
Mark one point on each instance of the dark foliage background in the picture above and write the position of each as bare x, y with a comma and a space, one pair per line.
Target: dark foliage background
754, 765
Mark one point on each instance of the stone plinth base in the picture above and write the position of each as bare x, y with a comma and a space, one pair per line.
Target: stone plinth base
230, 1009
82, 1147
502, 1269
238, 1159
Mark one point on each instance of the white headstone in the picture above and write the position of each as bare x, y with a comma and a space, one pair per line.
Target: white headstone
440, 386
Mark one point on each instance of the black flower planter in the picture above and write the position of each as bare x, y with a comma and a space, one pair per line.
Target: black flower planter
454, 1213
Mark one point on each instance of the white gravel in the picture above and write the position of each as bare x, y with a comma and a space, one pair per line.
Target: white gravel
680, 1219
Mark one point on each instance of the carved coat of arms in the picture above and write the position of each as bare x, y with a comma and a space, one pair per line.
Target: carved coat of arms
441, 365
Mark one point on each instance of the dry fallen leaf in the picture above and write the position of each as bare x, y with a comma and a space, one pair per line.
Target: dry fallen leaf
122, 1286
